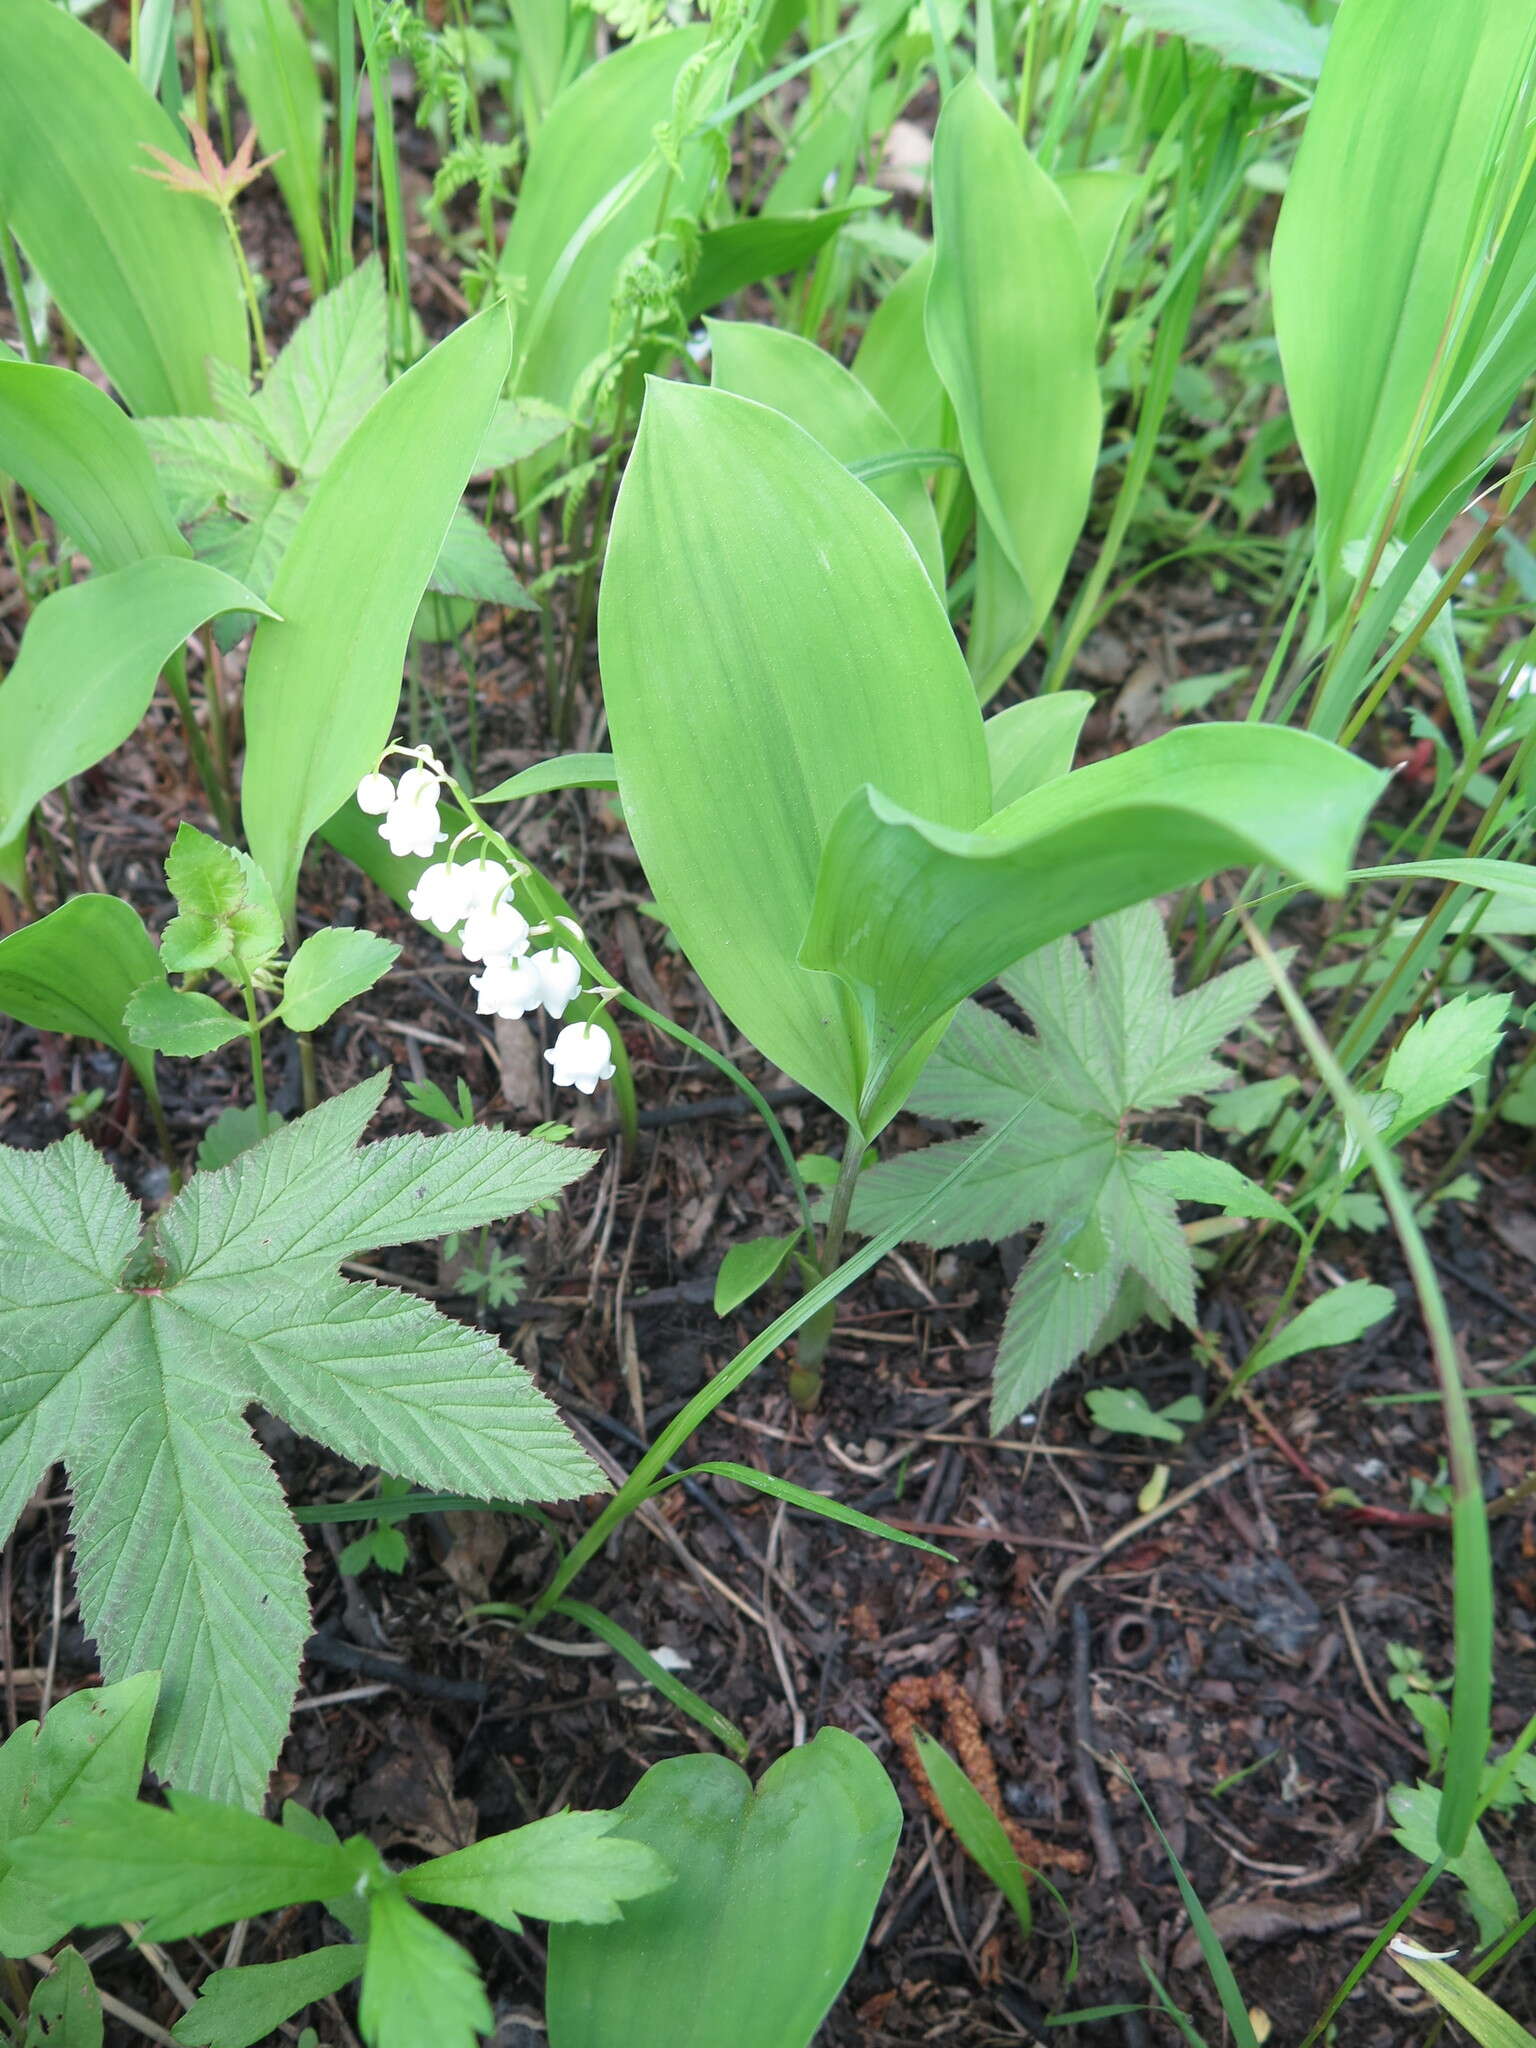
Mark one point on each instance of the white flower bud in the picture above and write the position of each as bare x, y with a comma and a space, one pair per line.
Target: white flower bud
581, 1057
507, 988
417, 786
375, 794
437, 898
559, 979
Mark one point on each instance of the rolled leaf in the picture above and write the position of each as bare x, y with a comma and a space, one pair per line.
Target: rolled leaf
1011, 325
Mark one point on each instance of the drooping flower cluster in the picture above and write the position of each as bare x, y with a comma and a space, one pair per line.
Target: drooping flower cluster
474, 896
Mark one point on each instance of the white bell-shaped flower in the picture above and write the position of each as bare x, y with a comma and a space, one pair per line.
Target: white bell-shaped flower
438, 897
375, 794
410, 825
581, 1057
417, 786
498, 931
507, 988
559, 979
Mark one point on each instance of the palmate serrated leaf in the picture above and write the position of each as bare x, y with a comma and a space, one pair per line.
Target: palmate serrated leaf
1443, 1053
418, 1983
286, 1201
568, 1866
471, 564
202, 463
329, 969
244, 2005
1111, 1039
329, 374
136, 1375
65, 2011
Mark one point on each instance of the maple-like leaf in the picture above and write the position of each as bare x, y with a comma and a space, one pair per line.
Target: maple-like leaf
131, 1357
219, 182
1112, 1042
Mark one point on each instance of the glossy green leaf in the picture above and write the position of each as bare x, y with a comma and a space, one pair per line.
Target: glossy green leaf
1011, 326
1033, 742
769, 642
764, 245
87, 669
980, 1832
1378, 228
76, 452
144, 275
65, 2011
245, 2005
774, 1895
75, 971
329, 969
90, 1747
914, 916
1098, 202
893, 363
181, 1022
748, 1267
1203, 1177
590, 193
1337, 1317
281, 89
561, 771
814, 390
324, 677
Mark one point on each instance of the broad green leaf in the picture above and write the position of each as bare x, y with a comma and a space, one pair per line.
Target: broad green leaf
1127, 1410
562, 771
1269, 36
187, 1558
1111, 1041
186, 1869
981, 1834
893, 363
569, 1866
244, 2006
1201, 1177
348, 589
144, 274
65, 2011
746, 709
281, 90
75, 971
748, 1267
1011, 326
331, 372
765, 245
87, 669
774, 1895
80, 457
1378, 228
90, 1747
1033, 742
1465, 2002
418, 1984
1441, 1054
1337, 1317
813, 389
329, 969
1156, 818
590, 193
181, 1022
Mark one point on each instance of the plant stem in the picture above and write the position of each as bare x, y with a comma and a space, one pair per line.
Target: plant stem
805, 1375
258, 1078
16, 292
248, 286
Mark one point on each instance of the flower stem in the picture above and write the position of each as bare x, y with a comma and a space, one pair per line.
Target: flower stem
258, 1078
805, 1375
248, 286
